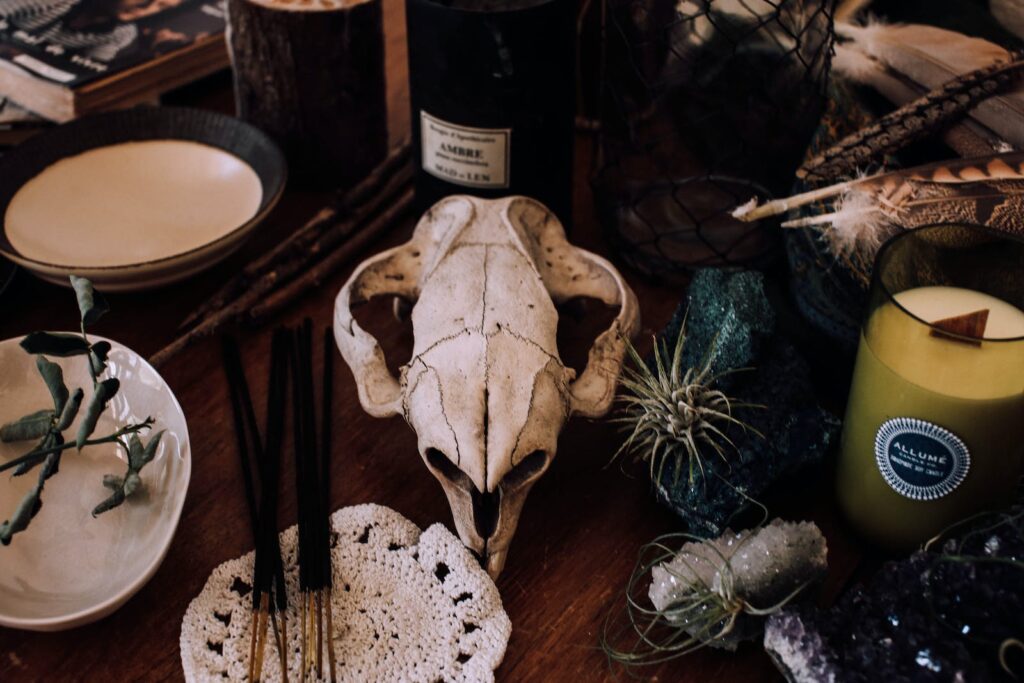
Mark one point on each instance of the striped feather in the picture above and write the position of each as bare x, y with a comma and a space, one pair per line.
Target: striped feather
860, 214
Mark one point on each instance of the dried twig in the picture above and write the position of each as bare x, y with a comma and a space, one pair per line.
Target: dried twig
295, 249
278, 299
321, 257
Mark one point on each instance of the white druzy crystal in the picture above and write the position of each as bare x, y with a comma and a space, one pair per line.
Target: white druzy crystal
765, 566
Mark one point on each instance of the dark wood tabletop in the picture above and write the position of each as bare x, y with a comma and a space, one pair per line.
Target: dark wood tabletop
581, 527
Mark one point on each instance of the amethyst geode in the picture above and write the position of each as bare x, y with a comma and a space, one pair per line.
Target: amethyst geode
937, 616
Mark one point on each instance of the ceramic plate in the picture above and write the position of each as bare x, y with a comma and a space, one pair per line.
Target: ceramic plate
136, 199
7, 272
68, 568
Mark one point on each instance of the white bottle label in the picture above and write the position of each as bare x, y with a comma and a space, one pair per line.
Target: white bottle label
471, 157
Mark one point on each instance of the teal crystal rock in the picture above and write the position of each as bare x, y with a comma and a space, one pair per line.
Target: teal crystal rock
730, 322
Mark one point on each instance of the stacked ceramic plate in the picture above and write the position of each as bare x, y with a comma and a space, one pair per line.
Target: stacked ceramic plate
138, 198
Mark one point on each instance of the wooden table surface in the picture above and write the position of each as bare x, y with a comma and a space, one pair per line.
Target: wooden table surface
581, 526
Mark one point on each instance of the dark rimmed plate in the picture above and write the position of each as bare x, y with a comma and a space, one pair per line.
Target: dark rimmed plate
219, 131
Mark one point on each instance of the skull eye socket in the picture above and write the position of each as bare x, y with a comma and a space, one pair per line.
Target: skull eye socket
528, 469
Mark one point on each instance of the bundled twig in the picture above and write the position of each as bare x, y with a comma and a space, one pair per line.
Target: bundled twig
278, 299
312, 485
283, 260
315, 251
269, 593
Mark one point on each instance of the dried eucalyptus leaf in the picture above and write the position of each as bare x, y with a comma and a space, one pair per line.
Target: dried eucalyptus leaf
54, 378
32, 502
98, 353
105, 391
115, 499
131, 483
26, 510
113, 482
58, 344
29, 465
137, 459
135, 450
52, 463
34, 426
91, 303
70, 410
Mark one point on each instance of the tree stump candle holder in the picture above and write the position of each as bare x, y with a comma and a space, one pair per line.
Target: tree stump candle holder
311, 74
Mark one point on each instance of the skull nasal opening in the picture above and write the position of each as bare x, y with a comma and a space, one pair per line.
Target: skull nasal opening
448, 469
485, 511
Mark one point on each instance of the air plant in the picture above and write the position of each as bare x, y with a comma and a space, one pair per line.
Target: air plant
672, 415
48, 425
711, 593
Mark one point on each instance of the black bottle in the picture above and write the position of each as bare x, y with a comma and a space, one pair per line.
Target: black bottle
493, 99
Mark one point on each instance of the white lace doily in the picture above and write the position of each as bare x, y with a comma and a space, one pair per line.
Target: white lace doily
408, 606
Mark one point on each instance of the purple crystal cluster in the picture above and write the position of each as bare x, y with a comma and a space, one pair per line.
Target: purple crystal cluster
937, 616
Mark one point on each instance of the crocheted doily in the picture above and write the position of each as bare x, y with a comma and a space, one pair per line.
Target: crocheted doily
408, 606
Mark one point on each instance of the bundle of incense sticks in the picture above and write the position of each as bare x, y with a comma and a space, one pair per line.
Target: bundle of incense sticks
312, 486
270, 600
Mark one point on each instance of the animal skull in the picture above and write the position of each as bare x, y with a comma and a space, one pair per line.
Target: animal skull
485, 389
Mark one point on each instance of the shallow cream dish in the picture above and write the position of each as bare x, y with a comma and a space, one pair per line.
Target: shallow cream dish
136, 199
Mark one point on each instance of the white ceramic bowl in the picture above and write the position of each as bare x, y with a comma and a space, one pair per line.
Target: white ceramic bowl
68, 568
170, 244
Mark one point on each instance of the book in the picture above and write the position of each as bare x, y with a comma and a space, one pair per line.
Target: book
18, 124
64, 58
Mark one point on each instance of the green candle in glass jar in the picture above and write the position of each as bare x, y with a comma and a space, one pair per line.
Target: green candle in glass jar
934, 429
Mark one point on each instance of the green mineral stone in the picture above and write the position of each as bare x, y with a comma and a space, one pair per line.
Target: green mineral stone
730, 320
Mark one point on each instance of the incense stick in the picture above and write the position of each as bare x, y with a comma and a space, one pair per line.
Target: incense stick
327, 402
312, 476
268, 569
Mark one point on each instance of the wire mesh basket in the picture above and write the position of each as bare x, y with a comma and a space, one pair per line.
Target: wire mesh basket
705, 104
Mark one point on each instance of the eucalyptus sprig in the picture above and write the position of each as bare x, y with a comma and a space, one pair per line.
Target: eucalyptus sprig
48, 425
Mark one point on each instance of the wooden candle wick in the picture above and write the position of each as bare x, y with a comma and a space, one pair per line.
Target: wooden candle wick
967, 329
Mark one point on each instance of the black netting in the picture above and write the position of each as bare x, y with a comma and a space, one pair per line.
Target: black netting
704, 104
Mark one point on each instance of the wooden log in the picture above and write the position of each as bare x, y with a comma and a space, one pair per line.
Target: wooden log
311, 74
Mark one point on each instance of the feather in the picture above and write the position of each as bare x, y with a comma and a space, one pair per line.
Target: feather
928, 55
924, 58
967, 138
847, 10
913, 121
865, 211
855, 226
1009, 13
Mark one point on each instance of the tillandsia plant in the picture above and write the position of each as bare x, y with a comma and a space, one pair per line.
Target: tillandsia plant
711, 593
48, 425
674, 415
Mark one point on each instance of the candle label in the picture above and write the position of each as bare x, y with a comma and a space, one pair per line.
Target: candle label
920, 460
471, 157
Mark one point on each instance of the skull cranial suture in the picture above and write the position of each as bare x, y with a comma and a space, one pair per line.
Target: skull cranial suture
485, 389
